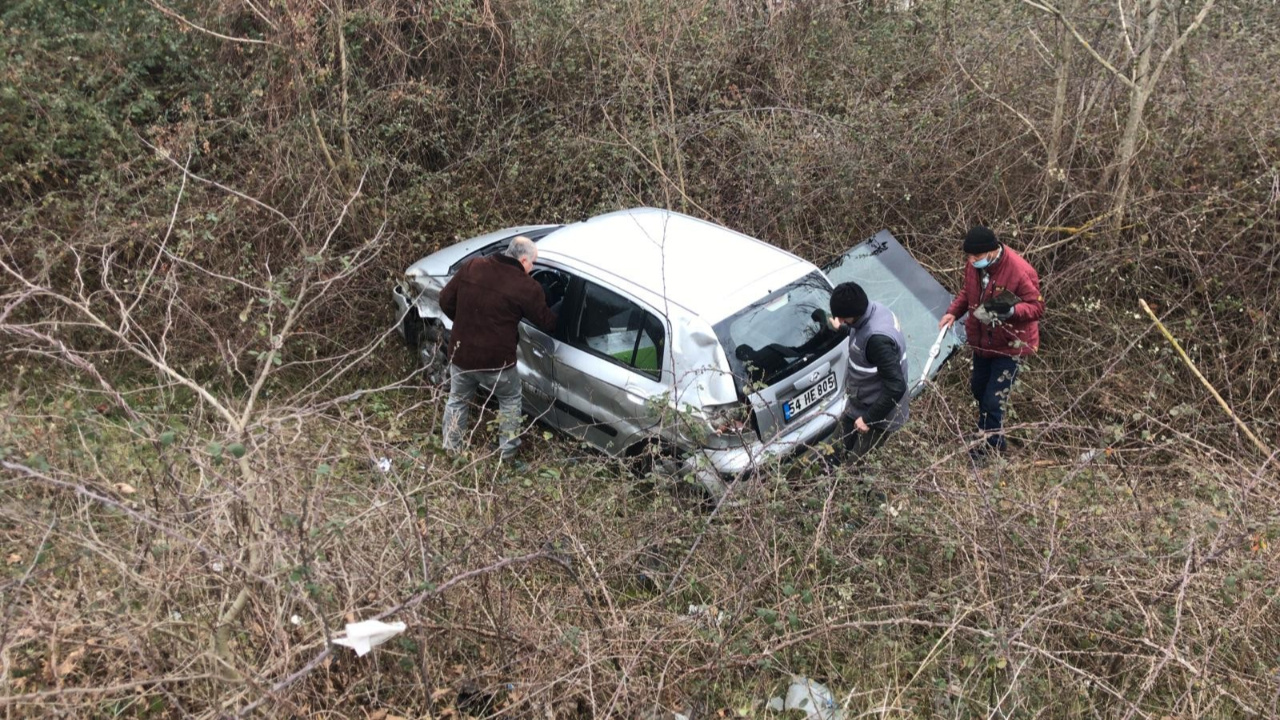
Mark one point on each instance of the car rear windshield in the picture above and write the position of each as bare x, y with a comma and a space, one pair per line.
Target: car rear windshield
781, 333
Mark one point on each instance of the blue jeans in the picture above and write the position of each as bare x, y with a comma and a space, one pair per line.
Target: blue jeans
991, 383
506, 387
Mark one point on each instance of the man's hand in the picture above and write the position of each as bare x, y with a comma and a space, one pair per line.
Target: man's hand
947, 321
834, 322
861, 425
985, 317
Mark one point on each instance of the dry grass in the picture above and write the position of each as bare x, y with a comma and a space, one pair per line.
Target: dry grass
198, 371
1134, 582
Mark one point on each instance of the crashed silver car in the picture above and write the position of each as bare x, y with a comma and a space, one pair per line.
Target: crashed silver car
682, 340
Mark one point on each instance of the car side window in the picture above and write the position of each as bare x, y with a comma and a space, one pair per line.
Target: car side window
555, 285
612, 326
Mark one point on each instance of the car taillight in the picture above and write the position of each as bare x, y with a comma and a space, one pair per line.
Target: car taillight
731, 419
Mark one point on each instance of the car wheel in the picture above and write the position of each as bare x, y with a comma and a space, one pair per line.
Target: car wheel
427, 340
702, 489
655, 457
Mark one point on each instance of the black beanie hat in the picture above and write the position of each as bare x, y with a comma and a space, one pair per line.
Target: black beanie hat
848, 300
980, 240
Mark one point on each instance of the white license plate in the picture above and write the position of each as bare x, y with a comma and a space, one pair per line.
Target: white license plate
797, 404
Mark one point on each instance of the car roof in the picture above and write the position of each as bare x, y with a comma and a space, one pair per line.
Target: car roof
709, 270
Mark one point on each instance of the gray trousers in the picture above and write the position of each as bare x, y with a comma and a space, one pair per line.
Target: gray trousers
506, 387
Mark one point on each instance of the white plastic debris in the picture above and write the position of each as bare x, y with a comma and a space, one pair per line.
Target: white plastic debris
295, 619
814, 699
383, 465
365, 635
1090, 455
708, 613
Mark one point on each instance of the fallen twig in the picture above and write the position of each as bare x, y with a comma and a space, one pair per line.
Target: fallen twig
1271, 457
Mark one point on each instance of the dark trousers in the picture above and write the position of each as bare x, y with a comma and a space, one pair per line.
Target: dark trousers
991, 383
857, 445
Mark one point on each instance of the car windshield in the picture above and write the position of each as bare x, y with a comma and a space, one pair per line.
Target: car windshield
780, 333
498, 246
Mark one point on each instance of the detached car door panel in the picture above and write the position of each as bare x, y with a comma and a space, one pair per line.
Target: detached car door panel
892, 277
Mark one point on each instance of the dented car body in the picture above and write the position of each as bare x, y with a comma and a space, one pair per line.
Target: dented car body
681, 339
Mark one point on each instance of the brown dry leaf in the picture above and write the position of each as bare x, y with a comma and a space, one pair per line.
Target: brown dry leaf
69, 663
379, 714
125, 488
13, 559
440, 693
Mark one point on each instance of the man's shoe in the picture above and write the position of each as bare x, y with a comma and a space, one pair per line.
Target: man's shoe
980, 455
874, 497
510, 460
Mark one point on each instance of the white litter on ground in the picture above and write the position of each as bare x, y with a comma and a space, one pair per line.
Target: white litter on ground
365, 635
814, 699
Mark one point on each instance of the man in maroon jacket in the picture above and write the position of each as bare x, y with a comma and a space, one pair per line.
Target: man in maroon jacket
486, 301
1002, 296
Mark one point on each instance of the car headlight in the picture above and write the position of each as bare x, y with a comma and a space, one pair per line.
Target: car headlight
419, 284
414, 278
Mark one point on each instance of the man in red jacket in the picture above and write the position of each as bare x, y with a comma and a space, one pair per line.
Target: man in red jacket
1002, 296
486, 301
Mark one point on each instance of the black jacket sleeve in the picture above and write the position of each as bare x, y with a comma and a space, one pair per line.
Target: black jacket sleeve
534, 307
883, 353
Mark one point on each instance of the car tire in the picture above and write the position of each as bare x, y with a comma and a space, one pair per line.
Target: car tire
427, 340
655, 457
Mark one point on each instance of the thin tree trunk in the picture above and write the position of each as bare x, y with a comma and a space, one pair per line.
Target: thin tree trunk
340, 18
1062, 74
1139, 92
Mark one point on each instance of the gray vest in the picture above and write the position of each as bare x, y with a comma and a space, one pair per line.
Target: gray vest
862, 382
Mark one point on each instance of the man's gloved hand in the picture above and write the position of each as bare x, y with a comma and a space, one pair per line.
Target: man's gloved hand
1000, 311
1001, 306
985, 317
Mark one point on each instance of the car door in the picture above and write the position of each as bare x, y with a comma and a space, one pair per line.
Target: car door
892, 277
610, 367
537, 351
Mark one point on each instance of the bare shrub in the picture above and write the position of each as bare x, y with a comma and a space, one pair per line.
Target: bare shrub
200, 380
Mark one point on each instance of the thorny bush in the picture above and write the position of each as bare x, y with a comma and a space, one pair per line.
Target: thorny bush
201, 201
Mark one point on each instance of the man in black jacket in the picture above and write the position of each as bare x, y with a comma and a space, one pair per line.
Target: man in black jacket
486, 301
876, 378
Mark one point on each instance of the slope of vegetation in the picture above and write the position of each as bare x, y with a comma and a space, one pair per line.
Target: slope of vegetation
201, 204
